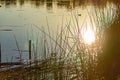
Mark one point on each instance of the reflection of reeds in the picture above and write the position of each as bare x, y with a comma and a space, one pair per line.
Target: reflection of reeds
17, 45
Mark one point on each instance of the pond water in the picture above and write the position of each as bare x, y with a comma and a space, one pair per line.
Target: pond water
20, 20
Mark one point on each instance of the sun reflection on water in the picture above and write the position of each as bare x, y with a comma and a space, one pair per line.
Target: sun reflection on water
88, 32
89, 35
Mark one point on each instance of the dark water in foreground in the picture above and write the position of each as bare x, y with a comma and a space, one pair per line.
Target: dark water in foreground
18, 19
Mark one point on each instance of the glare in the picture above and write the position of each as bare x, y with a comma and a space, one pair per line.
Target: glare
89, 35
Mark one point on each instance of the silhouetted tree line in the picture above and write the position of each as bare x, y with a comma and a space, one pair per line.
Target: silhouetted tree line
60, 3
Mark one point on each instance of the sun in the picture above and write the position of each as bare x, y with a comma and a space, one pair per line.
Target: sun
88, 35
